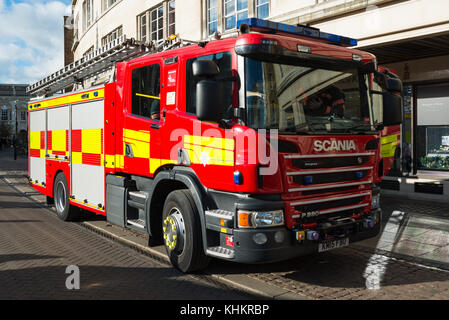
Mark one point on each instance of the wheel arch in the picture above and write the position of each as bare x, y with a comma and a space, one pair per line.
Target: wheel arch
166, 182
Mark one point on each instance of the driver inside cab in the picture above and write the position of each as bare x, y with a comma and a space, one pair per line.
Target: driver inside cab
329, 102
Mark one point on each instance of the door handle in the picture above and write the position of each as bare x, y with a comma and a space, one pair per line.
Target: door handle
128, 151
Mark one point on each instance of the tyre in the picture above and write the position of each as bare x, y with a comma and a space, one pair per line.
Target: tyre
182, 232
64, 209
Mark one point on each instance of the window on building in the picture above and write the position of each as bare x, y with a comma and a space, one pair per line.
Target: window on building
108, 3
157, 24
150, 24
117, 33
4, 114
91, 50
88, 13
224, 62
143, 27
212, 16
262, 8
146, 90
234, 10
171, 18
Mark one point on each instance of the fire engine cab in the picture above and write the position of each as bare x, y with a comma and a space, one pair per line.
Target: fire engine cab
258, 147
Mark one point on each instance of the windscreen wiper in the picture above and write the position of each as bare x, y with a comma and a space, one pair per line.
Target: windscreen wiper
357, 126
308, 124
294, 130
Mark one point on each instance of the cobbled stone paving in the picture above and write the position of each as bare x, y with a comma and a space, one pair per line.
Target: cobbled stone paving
36, 248
348, 273
108, 270
343, 274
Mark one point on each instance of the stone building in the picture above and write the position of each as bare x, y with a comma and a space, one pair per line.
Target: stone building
13, 105
409, 36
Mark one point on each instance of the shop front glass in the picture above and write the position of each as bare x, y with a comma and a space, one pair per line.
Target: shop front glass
433, 128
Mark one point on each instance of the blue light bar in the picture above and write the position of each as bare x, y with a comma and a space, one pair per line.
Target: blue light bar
299, 30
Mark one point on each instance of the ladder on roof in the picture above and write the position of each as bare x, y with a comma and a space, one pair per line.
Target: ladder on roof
102, 59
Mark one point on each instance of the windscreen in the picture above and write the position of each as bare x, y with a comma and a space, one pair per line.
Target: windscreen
305, 99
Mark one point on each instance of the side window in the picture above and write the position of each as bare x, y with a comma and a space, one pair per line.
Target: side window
146, 91
224, 62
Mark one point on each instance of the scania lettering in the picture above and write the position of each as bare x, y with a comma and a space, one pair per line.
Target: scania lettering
326, 145
258, 147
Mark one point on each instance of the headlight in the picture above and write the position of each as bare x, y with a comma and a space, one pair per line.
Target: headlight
260, 219
375, 202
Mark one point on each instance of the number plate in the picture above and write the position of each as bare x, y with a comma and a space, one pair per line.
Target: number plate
333, 244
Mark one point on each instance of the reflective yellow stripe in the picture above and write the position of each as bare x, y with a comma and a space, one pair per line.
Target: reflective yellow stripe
389, 139
139, 141
143, 136
212, 142
86, 204
212, 156
77, 157
110, 161
58, 140
91, 141
74, 98
35, 140
388, 145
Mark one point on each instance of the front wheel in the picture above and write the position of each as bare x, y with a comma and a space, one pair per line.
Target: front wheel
182, 232
64, 209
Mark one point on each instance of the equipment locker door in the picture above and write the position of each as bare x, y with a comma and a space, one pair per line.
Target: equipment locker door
87, 154
37, 129
58, 133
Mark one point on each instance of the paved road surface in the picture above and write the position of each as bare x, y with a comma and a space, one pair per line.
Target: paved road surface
36, 248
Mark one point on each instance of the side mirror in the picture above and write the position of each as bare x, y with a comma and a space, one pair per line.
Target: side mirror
392, 109
209, 91
389, 81
205, 68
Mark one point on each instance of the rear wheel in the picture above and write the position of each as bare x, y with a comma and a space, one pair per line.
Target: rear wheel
182, 232
64, 209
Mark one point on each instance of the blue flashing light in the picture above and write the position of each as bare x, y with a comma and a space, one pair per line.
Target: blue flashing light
359, 175
238, 177
308, 179
299, 30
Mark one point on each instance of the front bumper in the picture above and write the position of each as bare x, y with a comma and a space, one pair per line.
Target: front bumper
246, 250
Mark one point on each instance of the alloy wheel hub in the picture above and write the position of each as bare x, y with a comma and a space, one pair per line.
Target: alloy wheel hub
174, 231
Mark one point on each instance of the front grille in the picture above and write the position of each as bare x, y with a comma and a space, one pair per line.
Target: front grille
328, 190
322, 163
325, 217
330, 204
330, 177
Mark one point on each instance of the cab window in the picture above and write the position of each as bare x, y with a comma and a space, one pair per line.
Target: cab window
146, 92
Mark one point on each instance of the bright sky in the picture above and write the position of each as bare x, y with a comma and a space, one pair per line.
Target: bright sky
31, 39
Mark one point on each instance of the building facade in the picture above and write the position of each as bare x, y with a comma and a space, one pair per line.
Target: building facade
13, 106
408, 36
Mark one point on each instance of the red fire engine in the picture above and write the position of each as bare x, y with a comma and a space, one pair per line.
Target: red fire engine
253, 148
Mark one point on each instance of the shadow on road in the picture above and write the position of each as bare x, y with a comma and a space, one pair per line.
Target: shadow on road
108, 282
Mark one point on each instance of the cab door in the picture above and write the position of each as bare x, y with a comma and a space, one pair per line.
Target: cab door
141, 131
